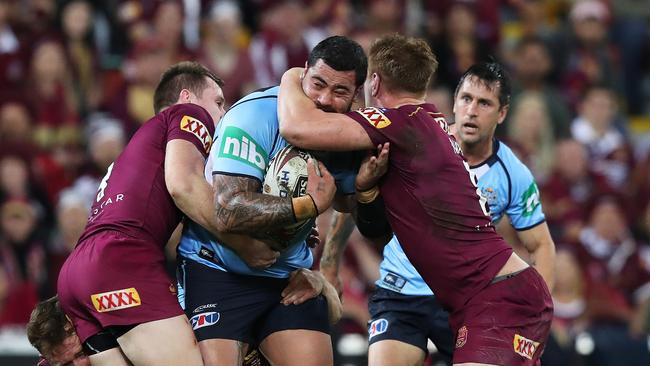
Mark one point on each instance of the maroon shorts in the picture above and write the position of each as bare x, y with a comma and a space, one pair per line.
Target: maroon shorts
114, 279
507, 323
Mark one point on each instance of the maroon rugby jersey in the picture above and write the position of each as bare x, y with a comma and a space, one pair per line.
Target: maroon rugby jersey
432, 204
133, 198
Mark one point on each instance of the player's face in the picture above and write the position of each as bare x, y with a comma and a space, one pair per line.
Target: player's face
211, 100
331, 90
477, 111
69, 353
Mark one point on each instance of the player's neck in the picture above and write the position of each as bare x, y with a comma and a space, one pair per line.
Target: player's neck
477, 153
398, 100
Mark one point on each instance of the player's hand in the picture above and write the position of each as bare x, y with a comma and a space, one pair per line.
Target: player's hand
334, 303
372, 168
332, 276
303, 285
257, 254
320, 185
313, 240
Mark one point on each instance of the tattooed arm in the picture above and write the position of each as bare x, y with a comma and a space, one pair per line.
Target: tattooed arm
241, 208
341, 227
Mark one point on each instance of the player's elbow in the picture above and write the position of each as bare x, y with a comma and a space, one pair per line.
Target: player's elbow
290, 133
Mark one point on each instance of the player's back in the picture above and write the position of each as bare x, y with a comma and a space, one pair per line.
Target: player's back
132, 197
433, 203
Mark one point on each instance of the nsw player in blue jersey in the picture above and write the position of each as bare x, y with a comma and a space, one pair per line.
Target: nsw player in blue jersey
231, 305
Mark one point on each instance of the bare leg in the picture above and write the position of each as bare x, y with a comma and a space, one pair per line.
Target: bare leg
162, 342
113, 356
395, 353
315, 348
222, 352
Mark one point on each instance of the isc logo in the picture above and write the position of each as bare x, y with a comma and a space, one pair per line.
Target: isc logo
377, 327
204, 320
116, 300
237, 144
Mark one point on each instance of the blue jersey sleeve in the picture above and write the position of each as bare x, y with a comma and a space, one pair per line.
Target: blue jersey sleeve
524, 208
245, 138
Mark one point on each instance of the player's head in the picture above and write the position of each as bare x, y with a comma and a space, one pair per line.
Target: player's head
399, 65
335, 70
52, 334
190, 82
481, 102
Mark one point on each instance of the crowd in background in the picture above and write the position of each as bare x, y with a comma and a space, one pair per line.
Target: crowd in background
77, 79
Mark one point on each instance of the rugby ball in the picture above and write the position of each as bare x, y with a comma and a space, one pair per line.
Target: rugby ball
286, 176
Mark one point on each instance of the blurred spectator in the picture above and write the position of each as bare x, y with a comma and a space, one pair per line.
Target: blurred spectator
22, 253
443, 99
50, 90
610, 152
458, 46
16, 300
592, 58
532, 66
284, 41
570, 188
531, 134
17, 183
78, 40
16, 124
569, 308
225, 50
12, 68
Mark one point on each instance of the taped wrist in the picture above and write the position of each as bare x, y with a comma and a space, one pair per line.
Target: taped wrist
304, 207
368, 195
371, 218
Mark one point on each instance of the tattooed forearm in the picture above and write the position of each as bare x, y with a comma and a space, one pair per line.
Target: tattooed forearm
340, 229
241, 208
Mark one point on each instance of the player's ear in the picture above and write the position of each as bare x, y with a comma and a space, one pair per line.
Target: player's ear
184, 96
375, 84
503, 112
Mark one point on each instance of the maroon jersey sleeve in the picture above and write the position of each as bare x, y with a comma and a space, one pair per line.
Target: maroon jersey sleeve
375, 122
192, 123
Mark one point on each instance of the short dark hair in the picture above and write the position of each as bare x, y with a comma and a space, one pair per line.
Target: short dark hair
188, 75
341, 54
48, 326
491, 74
404, 63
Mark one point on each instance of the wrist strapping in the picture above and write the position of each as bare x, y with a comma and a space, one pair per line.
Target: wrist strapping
304, 207
368, 195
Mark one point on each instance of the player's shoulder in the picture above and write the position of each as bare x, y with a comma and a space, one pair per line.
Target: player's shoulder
190, 109
260, 96
514, 167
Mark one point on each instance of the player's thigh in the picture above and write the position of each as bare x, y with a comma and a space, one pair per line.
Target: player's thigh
389, 352
111, 357
222, 352
161, 342
306, 324
400, 318
281, 349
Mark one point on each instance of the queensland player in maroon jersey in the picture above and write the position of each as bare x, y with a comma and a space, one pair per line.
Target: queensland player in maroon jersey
114, 286
500, 306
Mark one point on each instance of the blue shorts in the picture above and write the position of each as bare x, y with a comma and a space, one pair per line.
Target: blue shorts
222, 305
409, 319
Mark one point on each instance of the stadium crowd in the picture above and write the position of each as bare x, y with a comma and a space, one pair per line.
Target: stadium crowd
78, 78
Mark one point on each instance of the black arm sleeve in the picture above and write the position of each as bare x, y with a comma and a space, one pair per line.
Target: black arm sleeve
371, 219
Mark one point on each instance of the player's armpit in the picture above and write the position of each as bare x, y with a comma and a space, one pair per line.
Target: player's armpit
239, 207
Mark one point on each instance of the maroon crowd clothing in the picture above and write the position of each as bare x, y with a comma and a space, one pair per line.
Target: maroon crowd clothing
116, 273
433, 205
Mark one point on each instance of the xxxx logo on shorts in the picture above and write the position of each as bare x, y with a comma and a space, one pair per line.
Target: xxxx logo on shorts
375, 117
116, 300
461, 339
198, 129
524, 346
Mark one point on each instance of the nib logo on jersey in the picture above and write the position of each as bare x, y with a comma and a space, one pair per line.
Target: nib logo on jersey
238, 145
204, 319
116, 300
